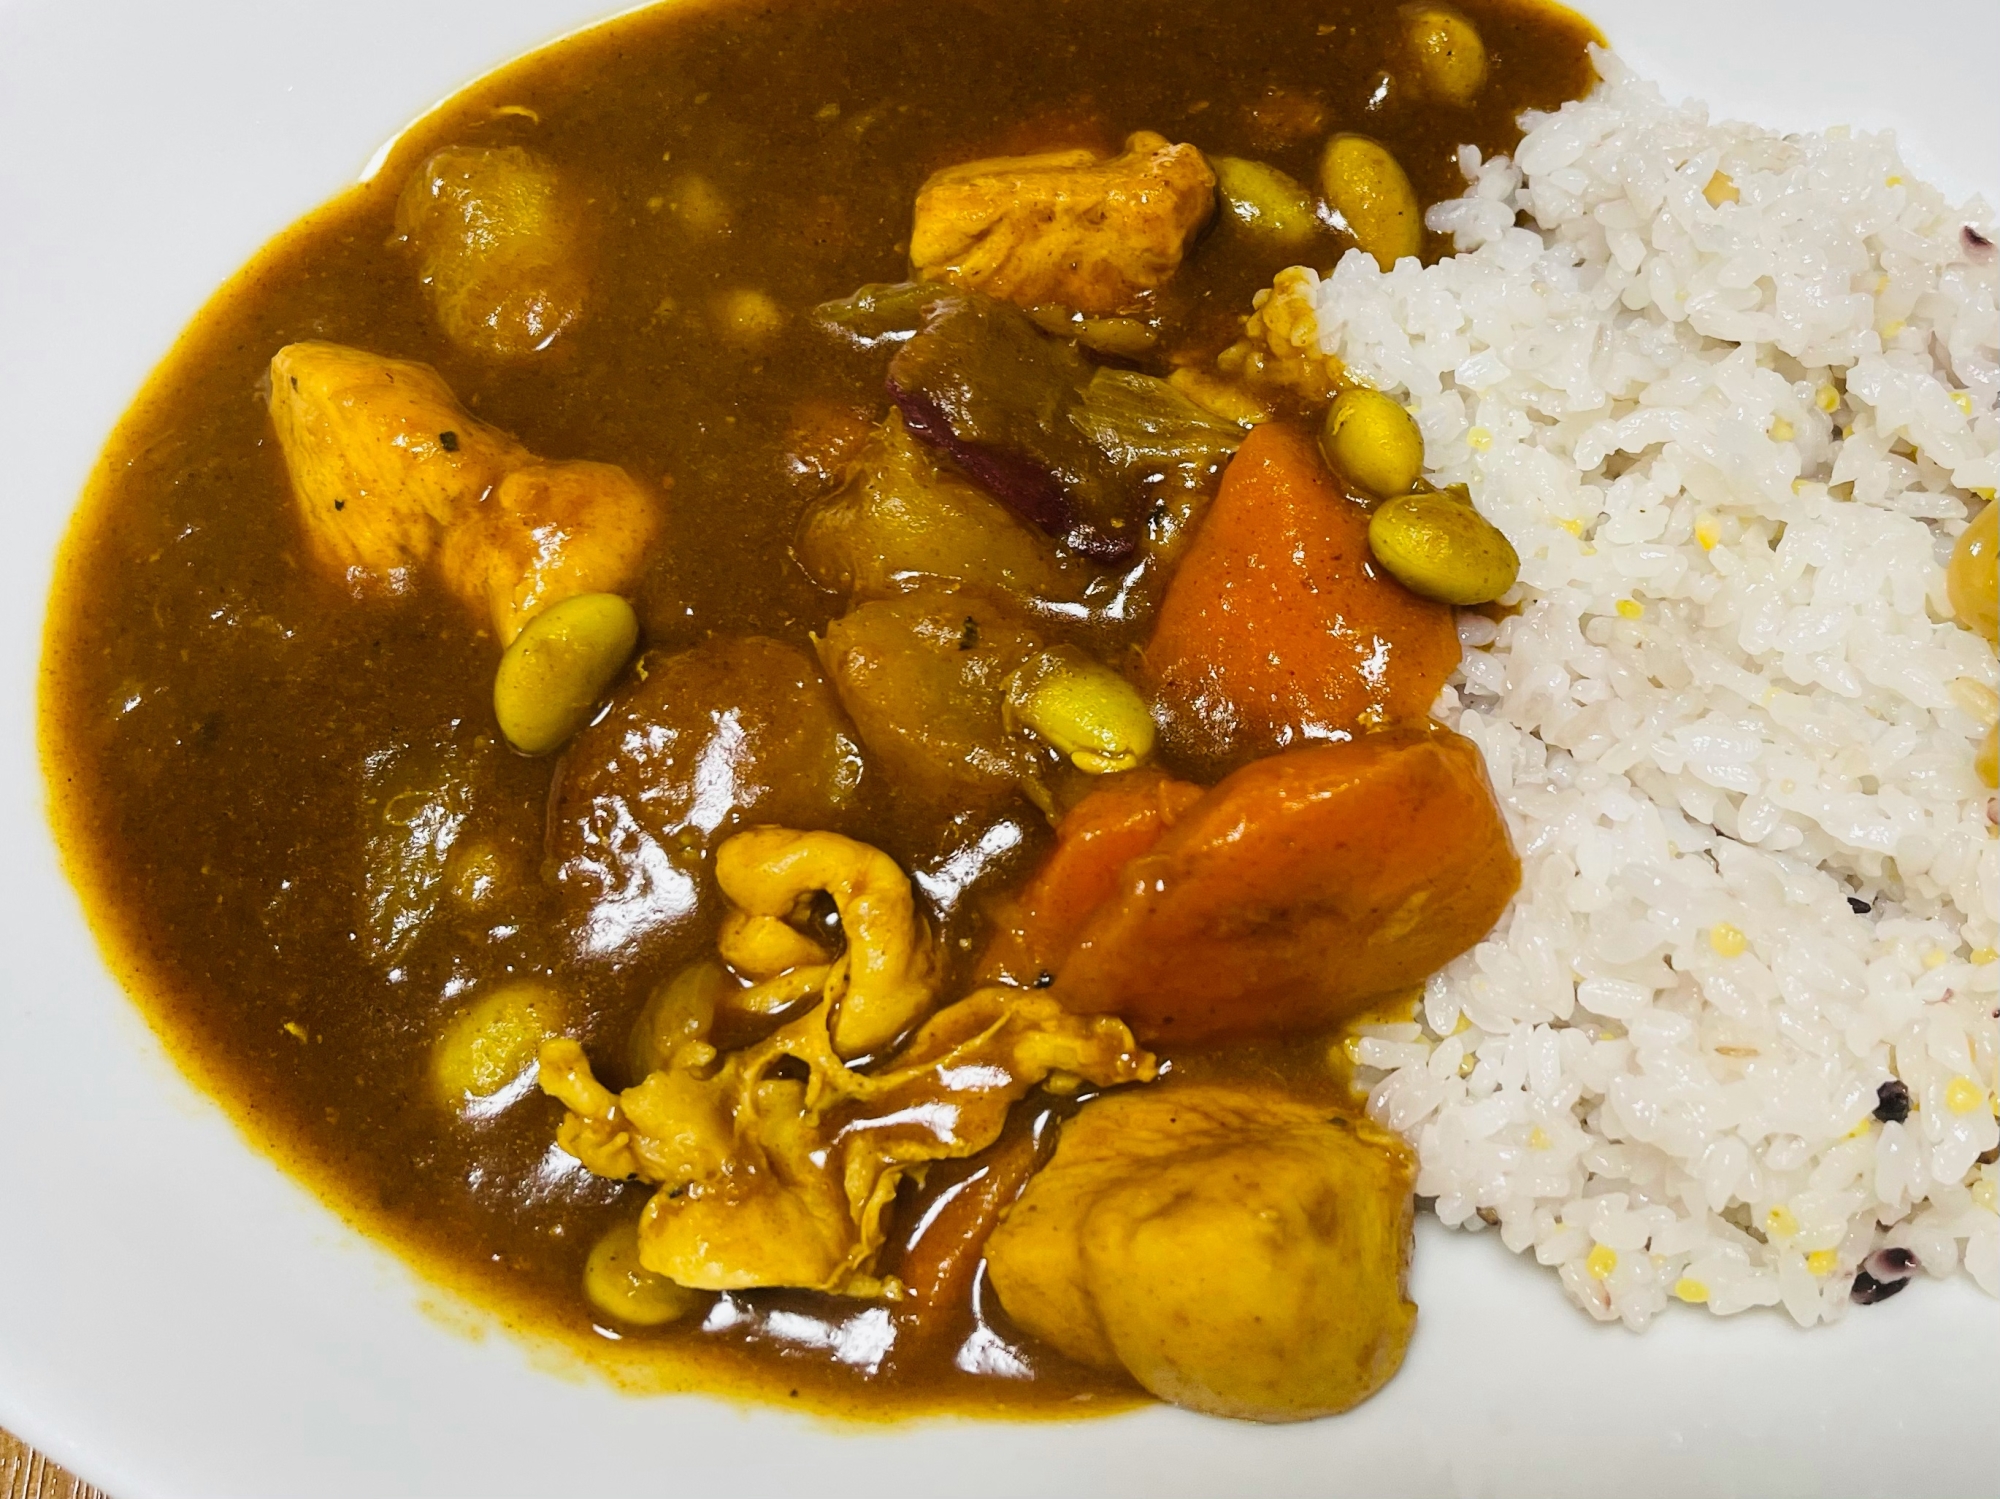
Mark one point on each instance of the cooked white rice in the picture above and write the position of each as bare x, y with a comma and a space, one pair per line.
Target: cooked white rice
1733, 446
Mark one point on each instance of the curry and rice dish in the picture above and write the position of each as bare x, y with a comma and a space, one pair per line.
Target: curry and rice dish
914, 738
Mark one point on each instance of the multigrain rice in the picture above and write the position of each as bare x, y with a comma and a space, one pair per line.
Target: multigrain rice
1733, 424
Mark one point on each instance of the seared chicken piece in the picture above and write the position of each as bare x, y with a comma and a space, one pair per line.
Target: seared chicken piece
382, 459
1064, 227
546, 532
1238, 1252
389, 472
498, 245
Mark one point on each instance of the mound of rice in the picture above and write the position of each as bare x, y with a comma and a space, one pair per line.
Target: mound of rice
1732, 722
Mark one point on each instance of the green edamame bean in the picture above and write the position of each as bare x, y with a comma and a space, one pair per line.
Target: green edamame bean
1437, 547
495, 1041
558, 667
1264, 200
1450, 53
1373, 441
625, 1290
1083, 710
1373, 194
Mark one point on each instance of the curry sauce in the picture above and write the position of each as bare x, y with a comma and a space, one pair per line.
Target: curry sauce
228, 735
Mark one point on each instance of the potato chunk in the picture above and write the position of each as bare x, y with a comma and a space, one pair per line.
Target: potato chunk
1299, 888
1065, 227
906, 518
1238, 1252
389, 473
695, 746
499, 246
925, 679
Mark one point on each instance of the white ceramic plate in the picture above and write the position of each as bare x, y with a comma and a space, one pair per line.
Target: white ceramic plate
180, 1321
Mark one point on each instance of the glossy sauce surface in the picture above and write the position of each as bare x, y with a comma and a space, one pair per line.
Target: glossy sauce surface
224, 728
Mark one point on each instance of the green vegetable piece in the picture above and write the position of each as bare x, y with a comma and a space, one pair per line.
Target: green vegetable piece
1116, 337
1373, 441
881, 312
419, 799
1369, 189
558, 667
1140, 422
1970, 577
1442, 549
624, 1290
1264, 200
1083, 710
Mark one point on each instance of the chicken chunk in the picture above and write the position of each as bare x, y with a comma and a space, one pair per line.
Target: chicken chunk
1065, 227
382, 459
498, 244
390, 474
1238, 1252
695, 746
547, 532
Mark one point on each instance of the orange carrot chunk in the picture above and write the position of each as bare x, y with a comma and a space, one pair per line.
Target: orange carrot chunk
1116, 823
1299, 888
1279, 629
938, 1265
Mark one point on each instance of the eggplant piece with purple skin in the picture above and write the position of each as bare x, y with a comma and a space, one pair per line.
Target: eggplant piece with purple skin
983, 384
1067, 445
